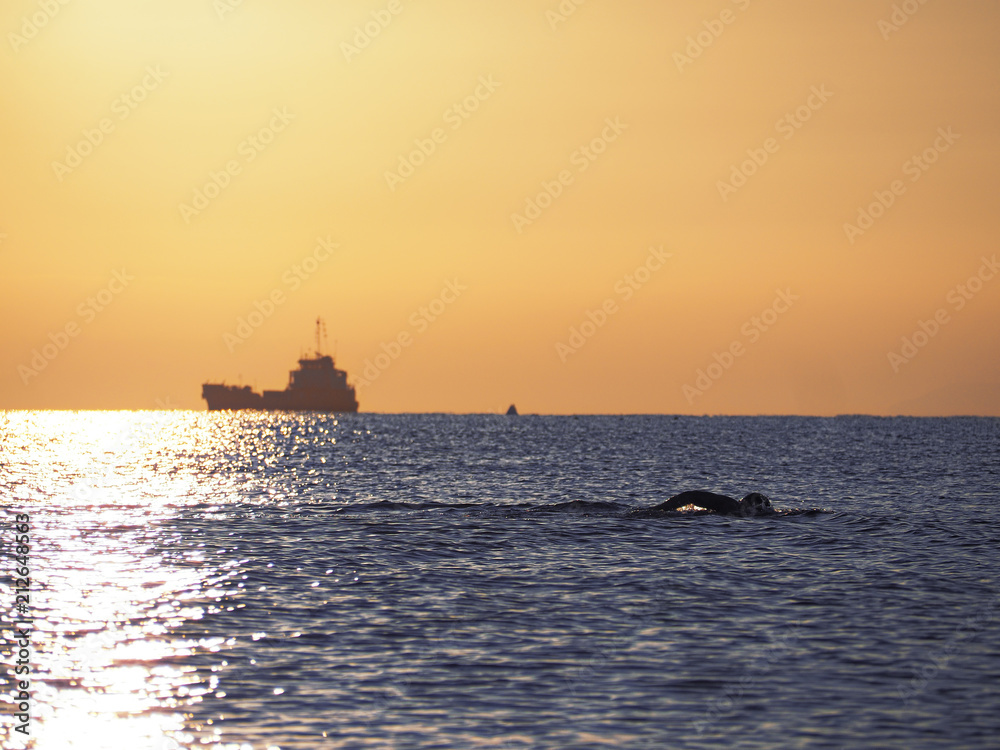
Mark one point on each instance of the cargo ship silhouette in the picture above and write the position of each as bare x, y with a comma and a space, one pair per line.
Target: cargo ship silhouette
315, 386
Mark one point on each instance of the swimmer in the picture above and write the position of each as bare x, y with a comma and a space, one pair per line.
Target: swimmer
754, 504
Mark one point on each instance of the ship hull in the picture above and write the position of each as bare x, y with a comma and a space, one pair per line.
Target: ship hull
229, 397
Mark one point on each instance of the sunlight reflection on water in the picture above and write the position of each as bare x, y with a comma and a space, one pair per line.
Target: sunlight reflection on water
253, 581
108, 595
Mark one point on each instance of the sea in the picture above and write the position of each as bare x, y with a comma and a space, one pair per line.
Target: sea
249, 581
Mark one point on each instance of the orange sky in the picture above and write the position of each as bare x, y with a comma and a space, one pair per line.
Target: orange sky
525, 173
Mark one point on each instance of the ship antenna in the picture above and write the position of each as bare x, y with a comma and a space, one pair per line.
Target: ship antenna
320, 335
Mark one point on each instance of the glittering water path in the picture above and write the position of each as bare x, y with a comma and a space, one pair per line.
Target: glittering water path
211, 580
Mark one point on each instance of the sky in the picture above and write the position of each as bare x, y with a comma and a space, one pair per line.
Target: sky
725, 207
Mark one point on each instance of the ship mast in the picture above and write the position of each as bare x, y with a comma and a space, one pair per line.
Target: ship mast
320, 336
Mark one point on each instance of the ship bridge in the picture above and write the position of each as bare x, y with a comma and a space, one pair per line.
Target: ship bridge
317, 372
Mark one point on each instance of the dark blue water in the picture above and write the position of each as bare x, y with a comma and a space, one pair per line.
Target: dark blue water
432, 581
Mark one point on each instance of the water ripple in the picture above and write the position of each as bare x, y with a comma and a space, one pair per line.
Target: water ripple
308, 581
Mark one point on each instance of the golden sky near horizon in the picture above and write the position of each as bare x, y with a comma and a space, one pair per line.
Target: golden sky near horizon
733, 206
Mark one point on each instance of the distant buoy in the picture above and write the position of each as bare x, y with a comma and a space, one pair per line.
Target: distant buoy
512, 411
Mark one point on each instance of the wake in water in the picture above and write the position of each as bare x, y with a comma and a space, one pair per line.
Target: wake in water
576, 507
695, 511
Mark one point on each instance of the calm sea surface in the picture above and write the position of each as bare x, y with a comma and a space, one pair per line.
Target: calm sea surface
431, 581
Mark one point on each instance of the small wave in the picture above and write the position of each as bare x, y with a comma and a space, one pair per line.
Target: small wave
583, 506
572, 507
692, 512
382, 505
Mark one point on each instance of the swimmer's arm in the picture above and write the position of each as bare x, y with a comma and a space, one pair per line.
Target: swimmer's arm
700, 499
673, 504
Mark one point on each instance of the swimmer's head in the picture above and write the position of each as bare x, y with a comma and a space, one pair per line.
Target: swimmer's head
755, 504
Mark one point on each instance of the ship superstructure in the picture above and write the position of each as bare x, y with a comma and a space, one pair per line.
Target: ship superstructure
317, 385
